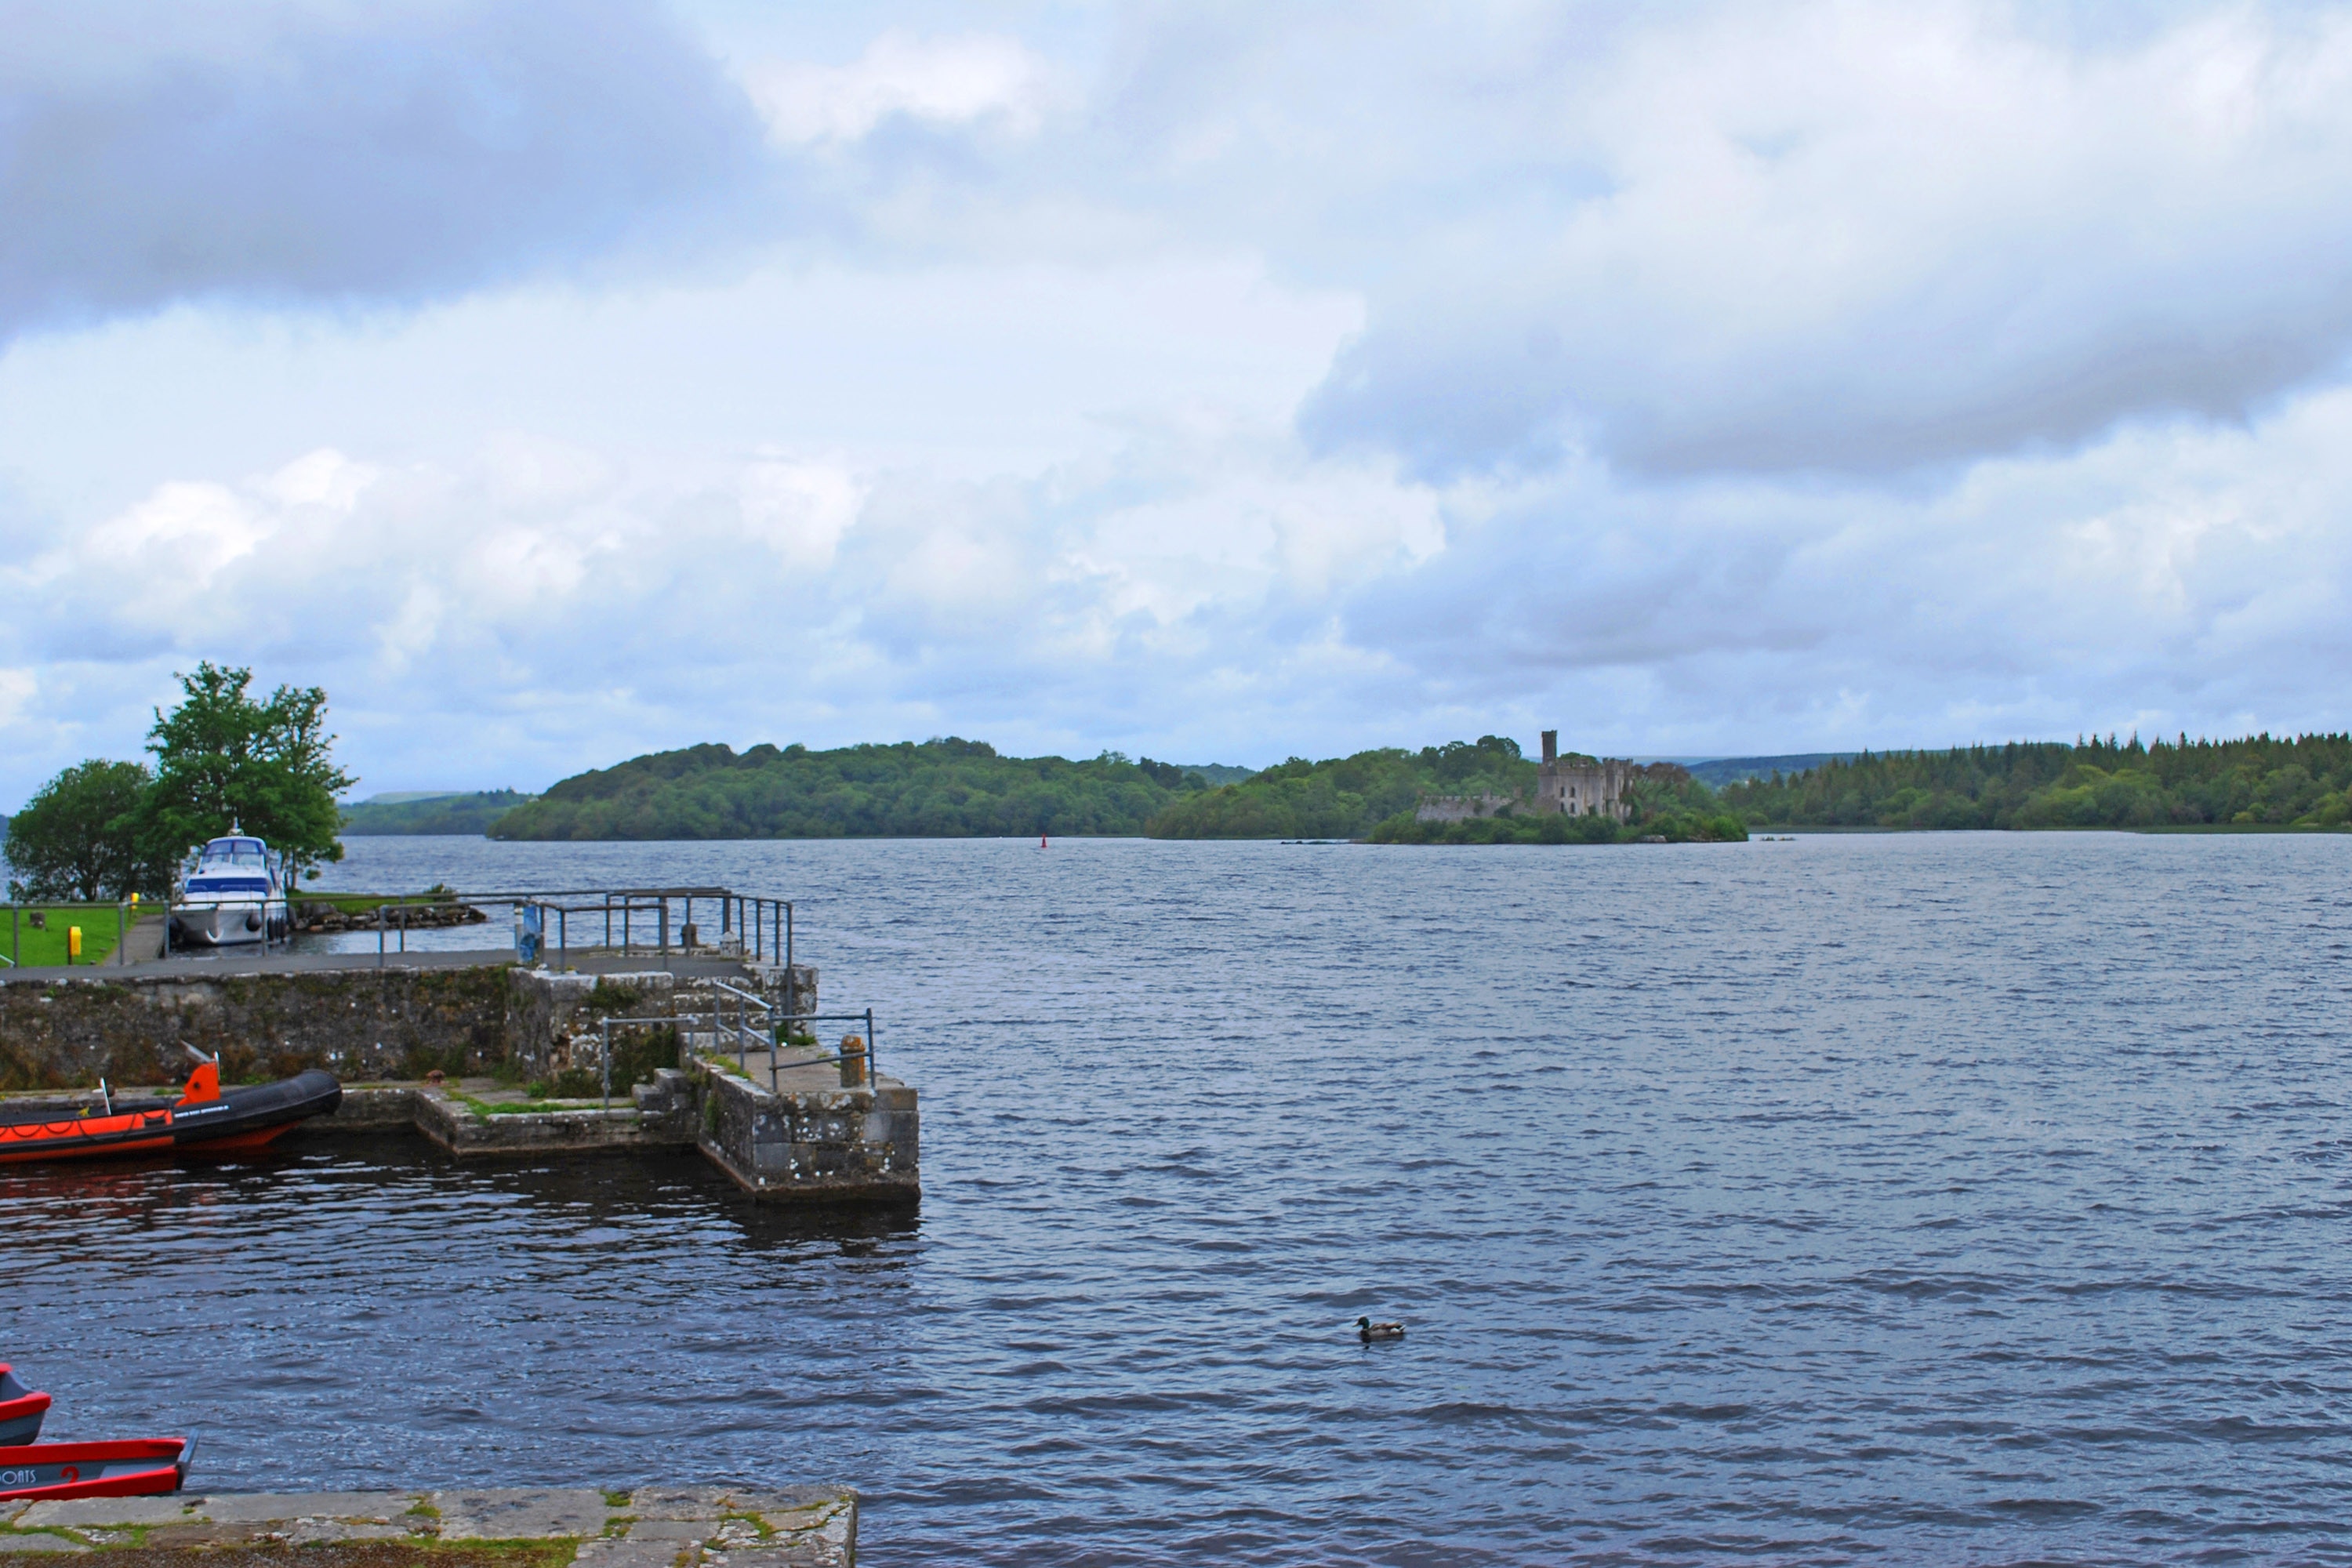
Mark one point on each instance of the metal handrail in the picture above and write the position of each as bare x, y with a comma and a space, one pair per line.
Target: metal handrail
774, 1041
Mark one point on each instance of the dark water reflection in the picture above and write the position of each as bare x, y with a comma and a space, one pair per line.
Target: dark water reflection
1956, 1198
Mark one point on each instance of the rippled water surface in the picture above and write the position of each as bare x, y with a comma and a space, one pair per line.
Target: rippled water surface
1938, 1198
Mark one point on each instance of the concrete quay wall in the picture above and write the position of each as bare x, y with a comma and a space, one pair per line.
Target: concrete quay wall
799, 1144
808, 1142
358, 1021
643, 1526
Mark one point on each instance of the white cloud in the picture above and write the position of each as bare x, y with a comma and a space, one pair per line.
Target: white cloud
949, 81
1215, 383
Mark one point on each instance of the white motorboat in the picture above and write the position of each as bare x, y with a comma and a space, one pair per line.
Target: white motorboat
235, 893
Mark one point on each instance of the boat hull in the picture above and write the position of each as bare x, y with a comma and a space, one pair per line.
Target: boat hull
238, 1120
22, 1409
143, 1467
228, 924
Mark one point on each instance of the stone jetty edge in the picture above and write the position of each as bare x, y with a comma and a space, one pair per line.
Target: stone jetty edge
641, 1527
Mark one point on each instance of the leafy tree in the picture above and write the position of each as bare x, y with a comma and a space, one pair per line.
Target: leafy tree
225, 760
79, 837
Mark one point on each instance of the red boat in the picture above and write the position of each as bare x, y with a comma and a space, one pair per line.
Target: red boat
21, 1409
204, 1120
141, 1466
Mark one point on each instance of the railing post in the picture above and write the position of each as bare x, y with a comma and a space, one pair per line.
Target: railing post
606, 1030
870, 1069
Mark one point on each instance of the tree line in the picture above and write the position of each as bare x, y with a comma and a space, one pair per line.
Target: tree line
944, 788
223, 758
2260, 781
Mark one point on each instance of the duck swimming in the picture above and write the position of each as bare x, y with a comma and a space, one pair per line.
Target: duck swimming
1369, 1330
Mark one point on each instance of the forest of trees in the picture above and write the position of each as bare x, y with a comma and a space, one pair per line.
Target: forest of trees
950, 788
1346, 796
2257, 781
460, 814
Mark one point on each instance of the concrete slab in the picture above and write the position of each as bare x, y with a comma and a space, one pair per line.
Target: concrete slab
680, 1502
107, 1510
380, 1508
303, 1531
40, 1543
635, 1555
519, 1514
673, 1530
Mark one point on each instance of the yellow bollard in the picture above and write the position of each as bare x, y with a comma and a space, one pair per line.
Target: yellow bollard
73, 943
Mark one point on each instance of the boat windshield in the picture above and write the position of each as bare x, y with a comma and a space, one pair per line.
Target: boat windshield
228, 852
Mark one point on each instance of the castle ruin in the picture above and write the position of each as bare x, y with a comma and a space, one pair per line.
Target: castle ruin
1579, 786
1582, 787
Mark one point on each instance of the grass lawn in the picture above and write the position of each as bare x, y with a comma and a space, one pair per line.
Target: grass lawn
28, 947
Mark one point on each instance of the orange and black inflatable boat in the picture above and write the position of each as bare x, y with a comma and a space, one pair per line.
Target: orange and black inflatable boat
205, 1119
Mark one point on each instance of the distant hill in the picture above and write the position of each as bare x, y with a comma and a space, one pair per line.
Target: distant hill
1215, 774
1722, 771
950, 788
418, 812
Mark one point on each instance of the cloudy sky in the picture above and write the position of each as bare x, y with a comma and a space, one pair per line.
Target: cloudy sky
558, 380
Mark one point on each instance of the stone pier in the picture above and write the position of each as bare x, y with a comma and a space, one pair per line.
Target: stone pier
717, 1526
491, 1060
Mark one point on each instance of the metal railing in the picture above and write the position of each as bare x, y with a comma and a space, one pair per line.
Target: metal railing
774, 1033
753, 926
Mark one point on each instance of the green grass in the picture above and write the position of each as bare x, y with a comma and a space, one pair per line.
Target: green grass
28, 947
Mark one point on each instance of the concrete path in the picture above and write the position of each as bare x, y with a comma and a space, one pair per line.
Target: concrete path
225, 966
647, 1527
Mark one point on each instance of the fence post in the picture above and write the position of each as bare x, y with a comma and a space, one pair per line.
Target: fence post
605, 1028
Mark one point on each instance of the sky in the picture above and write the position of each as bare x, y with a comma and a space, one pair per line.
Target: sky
556, 381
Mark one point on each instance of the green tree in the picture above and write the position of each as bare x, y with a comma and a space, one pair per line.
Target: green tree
223, 760
79, 837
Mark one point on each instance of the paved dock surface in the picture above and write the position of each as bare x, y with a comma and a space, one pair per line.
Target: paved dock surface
230, 963
645, 1527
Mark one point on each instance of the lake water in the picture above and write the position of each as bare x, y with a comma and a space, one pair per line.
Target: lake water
1965, 1198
